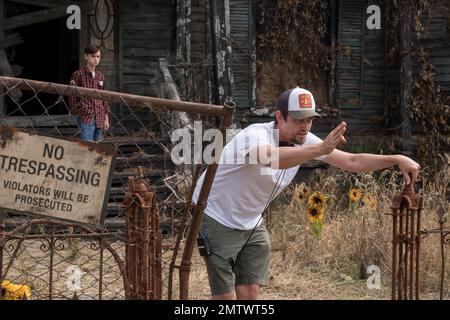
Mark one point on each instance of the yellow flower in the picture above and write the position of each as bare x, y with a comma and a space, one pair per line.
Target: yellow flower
11, 291
370, 201
306, 191
301, 193
315, 214
317, 200
354, 195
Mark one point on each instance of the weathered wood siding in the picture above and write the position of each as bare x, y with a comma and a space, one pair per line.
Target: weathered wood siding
199, 37
361, 74
242, 37
148, 33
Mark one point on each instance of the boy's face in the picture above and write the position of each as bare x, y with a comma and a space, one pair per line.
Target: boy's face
92, 59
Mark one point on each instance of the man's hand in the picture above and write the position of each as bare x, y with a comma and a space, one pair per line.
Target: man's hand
409, 168
334, 138
106, 122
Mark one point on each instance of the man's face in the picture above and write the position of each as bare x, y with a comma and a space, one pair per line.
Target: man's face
293, 130
93, 59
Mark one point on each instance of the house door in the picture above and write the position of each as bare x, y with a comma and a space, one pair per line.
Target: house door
43, 48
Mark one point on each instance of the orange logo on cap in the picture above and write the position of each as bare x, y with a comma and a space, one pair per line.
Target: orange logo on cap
305, 100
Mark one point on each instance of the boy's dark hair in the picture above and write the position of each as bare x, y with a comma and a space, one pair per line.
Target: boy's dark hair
284, 114
91, 49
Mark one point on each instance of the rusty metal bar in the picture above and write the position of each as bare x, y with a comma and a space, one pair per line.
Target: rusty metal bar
406, 208
394, 255
198, 212
181, 232
442, 238
51, 264
407, 248
411, 256
146, 252
2, 227
418, 251
111, 96
143, 248
100, 281
158, 250
400, 256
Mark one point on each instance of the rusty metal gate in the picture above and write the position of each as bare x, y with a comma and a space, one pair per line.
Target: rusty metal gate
407, 237
136, 252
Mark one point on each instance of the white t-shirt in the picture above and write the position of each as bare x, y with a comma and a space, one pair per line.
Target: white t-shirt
241, 189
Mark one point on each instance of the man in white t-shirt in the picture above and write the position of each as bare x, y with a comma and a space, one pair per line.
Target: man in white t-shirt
255, 166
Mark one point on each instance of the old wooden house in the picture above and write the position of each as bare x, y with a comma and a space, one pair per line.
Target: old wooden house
210, 50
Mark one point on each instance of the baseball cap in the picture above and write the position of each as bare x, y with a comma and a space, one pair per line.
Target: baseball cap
298, 102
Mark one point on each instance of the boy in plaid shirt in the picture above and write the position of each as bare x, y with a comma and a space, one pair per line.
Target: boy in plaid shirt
92, 114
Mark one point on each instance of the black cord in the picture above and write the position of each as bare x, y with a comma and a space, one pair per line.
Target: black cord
274, 191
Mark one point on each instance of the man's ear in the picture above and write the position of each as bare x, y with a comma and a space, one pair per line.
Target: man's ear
279, 116
86, 56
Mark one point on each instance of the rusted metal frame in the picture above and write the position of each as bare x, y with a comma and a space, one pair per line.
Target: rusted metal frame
406, 242
119, 261
2, 243
181, 232
14, 255
150, 257
135, 242
395, 246
51, 238
52, 249
100, 281
418, 239
407, 250
146, 251
412, 244
442, 248
67, 236
158, 249
401, 257
111, 96
198, 211
37, 221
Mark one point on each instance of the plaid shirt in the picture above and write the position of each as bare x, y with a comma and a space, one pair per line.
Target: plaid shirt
86, 108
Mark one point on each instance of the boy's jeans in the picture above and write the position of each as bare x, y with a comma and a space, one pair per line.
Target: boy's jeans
89, 132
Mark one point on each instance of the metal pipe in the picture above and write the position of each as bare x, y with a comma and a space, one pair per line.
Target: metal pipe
411, 255
394, 255
198, 212
418, 239
181, 232
111, 96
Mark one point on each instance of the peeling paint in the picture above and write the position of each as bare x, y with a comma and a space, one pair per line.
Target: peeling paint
6, 134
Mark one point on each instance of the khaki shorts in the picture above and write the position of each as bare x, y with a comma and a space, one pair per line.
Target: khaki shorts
251, 261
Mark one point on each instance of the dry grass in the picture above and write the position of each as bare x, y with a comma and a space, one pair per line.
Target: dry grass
302, 266
354, 237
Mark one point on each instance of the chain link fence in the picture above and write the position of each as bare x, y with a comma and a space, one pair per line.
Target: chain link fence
61, 260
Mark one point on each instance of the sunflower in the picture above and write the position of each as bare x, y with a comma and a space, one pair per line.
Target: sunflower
354, 195
301, 193
315, 214
11, 291
306, 191
317, 200
370, 201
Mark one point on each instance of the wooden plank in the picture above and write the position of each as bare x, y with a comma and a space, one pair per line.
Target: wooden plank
406, 75
10, 40
2, 90
6, 70
221, 36
32, 18
83, 4
39, 121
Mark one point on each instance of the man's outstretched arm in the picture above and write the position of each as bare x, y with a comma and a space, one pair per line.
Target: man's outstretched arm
364, 162
288, 157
